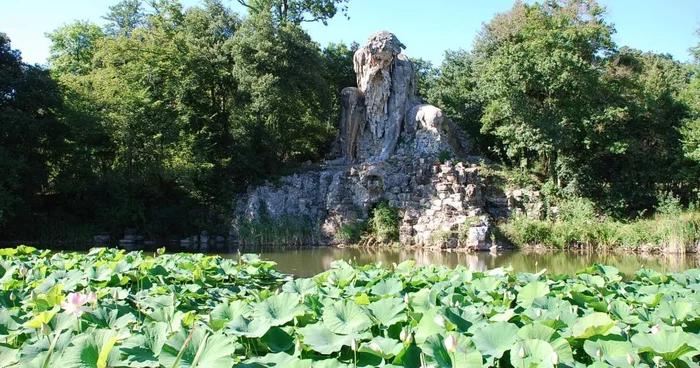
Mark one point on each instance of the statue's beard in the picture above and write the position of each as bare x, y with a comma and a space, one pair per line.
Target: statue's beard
374, 80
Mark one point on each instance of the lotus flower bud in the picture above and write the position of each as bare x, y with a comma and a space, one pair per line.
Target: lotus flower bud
656, 329
91, 297
575, 309
521, 352
22, 272
538, 312
405, 335
674, 321
451, 343
45, 329
439, 320
12, 297
406, 299
555, 359
598, 353
657, 360
354, 345
630, 359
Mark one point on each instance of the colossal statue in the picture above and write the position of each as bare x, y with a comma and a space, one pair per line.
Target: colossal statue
384, 103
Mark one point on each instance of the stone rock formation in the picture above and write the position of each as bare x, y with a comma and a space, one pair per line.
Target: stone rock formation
393, 147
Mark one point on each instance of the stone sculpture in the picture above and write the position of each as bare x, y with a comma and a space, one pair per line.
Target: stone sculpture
391, 142
385, 95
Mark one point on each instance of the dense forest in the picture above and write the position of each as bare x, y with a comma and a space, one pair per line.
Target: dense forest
156, 120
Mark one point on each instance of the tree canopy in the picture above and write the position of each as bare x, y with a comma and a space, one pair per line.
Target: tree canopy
157, 119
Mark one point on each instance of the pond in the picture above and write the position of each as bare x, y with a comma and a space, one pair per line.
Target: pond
306, 262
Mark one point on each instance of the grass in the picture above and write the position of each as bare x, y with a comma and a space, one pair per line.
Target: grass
286, 231
577, 224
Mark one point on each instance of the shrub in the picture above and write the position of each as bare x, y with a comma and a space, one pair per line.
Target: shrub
350, 233
384, 222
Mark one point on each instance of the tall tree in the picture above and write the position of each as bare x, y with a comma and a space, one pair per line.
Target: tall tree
124, 17
631, 144
454, 91
73, 47
281, 75
297, 11
537, 72
30, 134
691, 96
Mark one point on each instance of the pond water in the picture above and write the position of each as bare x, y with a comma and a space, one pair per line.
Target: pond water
306, 262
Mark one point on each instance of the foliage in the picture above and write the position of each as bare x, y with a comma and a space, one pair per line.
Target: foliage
297, 11
384, 222
454, 90
117, 309
73, 47
425, 74
155, 121
577, 225
536, 71
350, 233
289, 100
31, 137
546, 90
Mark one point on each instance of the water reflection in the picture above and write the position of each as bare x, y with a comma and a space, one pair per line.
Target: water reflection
305, 262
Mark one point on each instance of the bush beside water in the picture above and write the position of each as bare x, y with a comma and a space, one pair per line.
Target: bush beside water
576, 223
118, 309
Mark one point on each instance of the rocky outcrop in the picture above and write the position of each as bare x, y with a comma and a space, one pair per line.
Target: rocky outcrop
393, 147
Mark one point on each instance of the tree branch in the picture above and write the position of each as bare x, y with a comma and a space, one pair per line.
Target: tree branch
243, 2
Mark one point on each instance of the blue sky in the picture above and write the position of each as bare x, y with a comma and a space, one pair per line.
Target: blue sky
428, 28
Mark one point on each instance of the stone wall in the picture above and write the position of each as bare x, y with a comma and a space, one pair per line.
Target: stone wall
441, 204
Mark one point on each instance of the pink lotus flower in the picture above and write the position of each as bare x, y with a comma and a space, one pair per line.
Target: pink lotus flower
75, 303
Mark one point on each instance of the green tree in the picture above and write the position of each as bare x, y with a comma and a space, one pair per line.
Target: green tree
691, 96
425, 76
124, 17
632, 145
340, 73
31, 136
297, 11
454, 91
537, 72
73, 47
280, 72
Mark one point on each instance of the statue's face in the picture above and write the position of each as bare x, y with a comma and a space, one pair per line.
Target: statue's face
384, 45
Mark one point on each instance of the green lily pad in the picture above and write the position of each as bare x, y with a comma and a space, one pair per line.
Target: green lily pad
387, 287
388, 311
320, 339
383, 347
531, 291
495, 339
670, 345
345, 317
278, 309
593, 324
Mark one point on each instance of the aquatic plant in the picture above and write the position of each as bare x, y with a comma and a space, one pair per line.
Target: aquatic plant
193, 310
